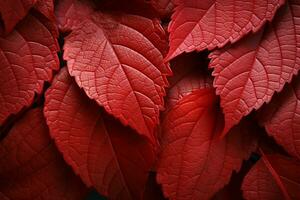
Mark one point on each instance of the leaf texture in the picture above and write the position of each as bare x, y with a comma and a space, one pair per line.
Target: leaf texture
108, 156
13, 11
117, 60
70, 13
31, 167
46, 7
281, 118
274, 177
195, 163
163, 7
28, 55
199, 25
187, 85
249, 72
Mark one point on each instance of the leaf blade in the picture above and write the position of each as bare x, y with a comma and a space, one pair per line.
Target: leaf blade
112, 158
127, 79
248, 73
276, 176
194, 163
199, 25
31, 167
28, 57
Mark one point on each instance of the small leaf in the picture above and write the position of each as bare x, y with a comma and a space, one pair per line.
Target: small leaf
30, 165
117, 60
107, 156
273, 177
199, 25
248, 73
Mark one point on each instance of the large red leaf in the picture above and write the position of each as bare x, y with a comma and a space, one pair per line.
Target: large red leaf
199, 25
274, 177
195, 163
108, 156
117, 60
249, 72
31, 167
281, 118
12, 11
71, 13
27, 58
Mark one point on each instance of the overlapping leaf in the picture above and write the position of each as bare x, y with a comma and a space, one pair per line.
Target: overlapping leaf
188, 76
31, 167
194, 163
115, 52
273, 177
27, 57
199, 25
249, 72
282, 118
117, 60
108, 156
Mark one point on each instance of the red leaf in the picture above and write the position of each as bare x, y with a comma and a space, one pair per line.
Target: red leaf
195, 163
70, 13
282, 118
108, 156
117, 61
273, 177
12, 11
30, 165
199, 25
232, 191
249, 72
27, 57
